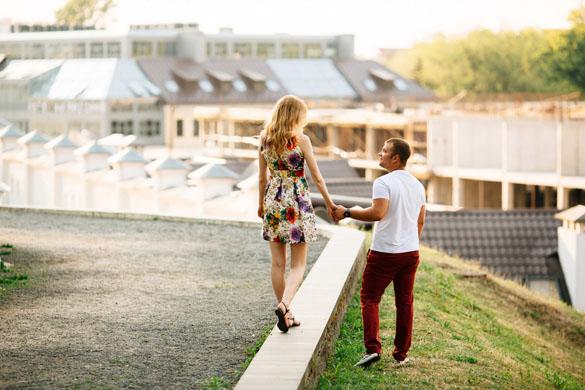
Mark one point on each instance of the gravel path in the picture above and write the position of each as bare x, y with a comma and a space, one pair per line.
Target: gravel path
132, 304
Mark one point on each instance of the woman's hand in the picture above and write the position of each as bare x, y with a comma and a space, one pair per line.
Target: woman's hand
331, 211
261, 212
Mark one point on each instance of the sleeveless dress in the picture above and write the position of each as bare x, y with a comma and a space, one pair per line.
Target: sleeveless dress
288, 213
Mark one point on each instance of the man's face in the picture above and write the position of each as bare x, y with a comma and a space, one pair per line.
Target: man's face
386, 157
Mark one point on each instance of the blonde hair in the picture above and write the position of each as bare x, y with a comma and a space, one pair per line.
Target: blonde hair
286, 119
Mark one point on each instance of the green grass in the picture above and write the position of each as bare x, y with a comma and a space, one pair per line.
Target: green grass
9, 278
468, 333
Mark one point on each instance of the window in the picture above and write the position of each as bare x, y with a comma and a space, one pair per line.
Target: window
242, 50
206, 85
220, 50
290, 50
141, 49
180, 128
195, 128
96, 50
239, 85
265, 50
166, 49
171, 86
149, 128
123, 127
209, 49
313, 50
79, 50
113, 50
370, 85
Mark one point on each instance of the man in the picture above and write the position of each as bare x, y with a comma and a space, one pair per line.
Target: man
398, 203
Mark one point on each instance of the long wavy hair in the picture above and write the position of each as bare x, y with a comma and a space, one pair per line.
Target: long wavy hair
287, 119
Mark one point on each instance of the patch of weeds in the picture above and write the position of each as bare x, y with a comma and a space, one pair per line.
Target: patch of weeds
216, 383
561, 382
10, 279
155, 218
465, 359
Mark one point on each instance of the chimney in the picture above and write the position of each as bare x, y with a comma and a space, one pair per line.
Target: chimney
128, 164
572, 253
60, 149
167, 172
9, 135
32, 144
214, 180
92, 157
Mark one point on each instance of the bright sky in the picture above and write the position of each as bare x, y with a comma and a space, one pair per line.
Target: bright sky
375, 23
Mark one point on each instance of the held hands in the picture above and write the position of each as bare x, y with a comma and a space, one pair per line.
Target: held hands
335, 212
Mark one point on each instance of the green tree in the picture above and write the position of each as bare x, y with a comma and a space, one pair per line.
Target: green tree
484, 62
83, 12
569, 53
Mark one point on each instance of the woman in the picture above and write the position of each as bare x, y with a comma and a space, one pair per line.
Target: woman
284, 202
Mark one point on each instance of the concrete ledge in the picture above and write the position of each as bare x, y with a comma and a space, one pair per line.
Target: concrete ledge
296, 359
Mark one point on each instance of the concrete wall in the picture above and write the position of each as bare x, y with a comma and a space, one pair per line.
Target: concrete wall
572, 258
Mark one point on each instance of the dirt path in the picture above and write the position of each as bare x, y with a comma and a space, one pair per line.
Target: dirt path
134, 304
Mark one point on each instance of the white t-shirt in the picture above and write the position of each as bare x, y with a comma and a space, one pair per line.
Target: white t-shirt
397, 232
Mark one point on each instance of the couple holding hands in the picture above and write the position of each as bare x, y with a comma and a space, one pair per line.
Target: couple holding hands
398, 204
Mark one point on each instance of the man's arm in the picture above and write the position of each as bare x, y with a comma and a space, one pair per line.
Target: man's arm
421, 220
373, 213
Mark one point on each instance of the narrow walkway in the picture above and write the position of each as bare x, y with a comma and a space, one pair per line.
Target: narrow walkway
131, 303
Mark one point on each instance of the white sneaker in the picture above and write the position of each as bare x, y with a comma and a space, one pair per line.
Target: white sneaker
403, 362
368, 359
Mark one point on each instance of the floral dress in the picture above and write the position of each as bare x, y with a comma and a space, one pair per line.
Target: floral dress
288, 213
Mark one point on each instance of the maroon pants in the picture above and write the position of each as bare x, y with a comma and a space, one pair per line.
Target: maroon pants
381, 269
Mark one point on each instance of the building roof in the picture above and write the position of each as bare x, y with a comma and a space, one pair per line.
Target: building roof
24, 70
517, 244
374, 82
4, 188
126, 155
10, 131
165, 163
91, 148
183, 81
60, 142
32, 137
574, 214
213, 171
98, 79
312, 78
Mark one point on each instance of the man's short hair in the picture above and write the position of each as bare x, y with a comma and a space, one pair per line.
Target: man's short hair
401, 148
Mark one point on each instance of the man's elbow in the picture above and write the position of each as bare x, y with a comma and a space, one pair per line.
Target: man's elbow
377, 215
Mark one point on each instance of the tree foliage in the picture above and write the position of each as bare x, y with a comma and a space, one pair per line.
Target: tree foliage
83, 12
569, 54
484, 61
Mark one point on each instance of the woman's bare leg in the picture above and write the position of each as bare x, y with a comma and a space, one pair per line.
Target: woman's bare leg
278, 251
297, 270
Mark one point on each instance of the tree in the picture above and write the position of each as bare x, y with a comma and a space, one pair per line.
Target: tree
83, 12
569, 56
484, 62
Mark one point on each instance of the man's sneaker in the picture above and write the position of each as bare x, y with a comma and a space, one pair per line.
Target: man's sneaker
368, 359
403, 362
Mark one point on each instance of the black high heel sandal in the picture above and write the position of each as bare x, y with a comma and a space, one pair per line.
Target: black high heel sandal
281, 324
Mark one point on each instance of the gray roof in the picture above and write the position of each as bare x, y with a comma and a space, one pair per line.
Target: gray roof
374, 82
183, 81
165, 163
91, 148
82, 79
60, 142
126, 155
33, 137
574, 214
517, 243
312, 78
10, 131
213, 171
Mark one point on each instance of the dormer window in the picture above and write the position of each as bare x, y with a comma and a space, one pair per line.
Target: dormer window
222, 80
255, 80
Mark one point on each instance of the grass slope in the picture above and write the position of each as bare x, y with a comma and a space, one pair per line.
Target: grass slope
468, 333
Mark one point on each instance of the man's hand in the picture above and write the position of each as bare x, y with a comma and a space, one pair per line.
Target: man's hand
338, 213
